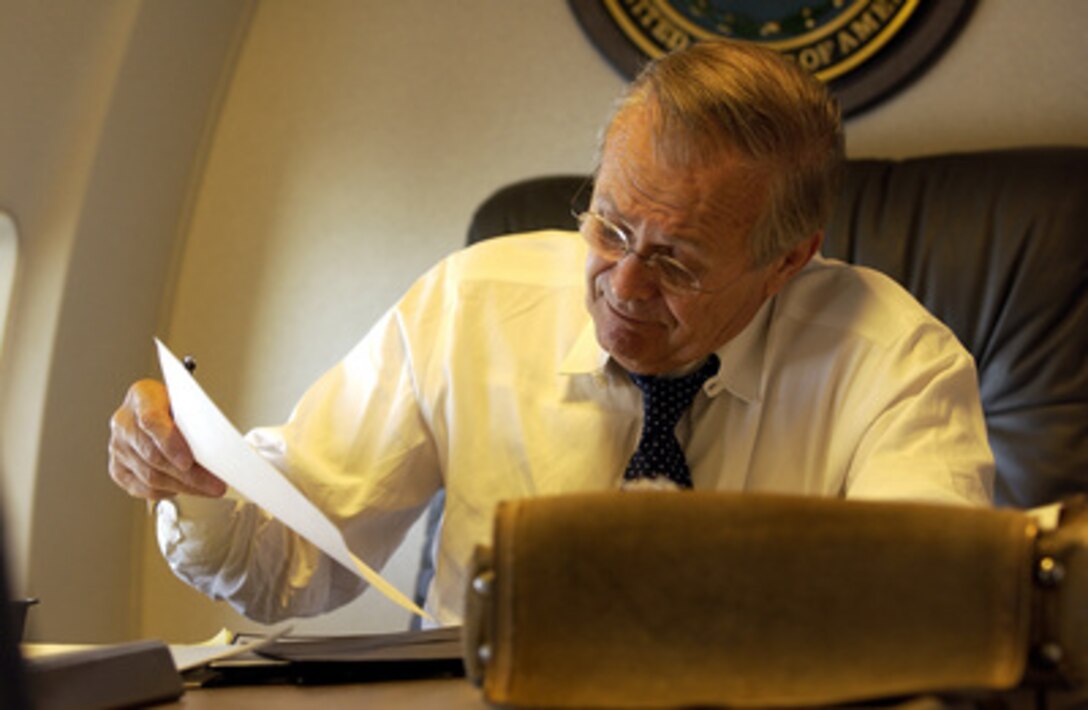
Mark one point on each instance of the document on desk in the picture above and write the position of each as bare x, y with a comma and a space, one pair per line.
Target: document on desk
221, 647
219, 447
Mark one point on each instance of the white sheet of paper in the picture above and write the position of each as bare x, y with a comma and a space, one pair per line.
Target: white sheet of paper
220, 448
218, 648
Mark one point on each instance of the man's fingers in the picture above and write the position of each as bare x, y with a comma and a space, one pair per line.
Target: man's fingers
143, 480
149, 457
150, 406
132, 446
133, 485
203, 481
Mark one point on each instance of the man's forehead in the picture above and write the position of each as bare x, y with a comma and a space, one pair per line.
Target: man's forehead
673, 141
631, 173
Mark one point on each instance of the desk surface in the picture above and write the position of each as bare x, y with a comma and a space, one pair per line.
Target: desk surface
440, 694
460, 694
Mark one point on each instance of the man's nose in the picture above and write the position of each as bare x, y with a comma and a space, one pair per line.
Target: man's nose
632, 279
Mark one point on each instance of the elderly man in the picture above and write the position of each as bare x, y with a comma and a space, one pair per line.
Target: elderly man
692, 337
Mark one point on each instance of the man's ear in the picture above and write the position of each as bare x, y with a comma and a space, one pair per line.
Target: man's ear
786, 266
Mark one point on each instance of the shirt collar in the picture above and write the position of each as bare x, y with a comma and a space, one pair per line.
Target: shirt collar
585, 357
741, 371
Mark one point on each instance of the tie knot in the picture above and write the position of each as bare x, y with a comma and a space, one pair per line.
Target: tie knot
666, 398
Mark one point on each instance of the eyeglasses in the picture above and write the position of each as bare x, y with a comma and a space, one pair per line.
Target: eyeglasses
611, 243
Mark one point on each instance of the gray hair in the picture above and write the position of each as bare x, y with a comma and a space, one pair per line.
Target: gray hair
721, 96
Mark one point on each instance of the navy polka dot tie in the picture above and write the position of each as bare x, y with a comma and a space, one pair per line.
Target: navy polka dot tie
659, 457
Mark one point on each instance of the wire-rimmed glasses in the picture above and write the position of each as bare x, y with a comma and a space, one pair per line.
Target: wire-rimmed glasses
610, 242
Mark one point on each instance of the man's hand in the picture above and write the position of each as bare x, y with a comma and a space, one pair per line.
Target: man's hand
149, 456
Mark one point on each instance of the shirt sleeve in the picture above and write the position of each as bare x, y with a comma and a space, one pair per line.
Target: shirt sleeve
275, 575
357, 446
927, 437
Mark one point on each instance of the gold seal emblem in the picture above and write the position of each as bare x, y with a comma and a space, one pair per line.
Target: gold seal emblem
827, 38
839, 41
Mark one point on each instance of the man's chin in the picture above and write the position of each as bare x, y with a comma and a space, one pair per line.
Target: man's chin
632, 350
636, 345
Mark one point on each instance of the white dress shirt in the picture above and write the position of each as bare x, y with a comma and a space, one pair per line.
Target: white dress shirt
486, 378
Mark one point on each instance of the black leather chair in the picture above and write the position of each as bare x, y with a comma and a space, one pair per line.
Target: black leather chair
993, 243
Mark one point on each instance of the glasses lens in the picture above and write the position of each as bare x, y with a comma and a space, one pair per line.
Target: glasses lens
675, 275
603, 238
